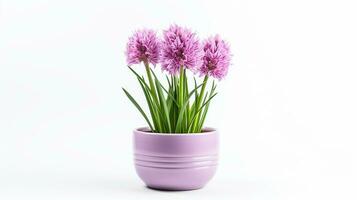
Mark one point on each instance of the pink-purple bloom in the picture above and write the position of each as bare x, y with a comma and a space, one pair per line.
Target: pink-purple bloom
180, 47
143, 46
216, 58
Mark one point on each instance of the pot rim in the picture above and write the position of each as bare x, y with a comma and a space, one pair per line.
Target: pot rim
145, 131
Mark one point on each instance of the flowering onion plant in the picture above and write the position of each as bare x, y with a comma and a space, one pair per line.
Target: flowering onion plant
175, 107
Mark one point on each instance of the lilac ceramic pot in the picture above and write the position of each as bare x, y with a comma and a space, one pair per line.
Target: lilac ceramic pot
170, 161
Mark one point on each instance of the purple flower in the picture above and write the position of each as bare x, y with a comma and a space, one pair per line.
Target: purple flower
216, 58
143, 46
181, 47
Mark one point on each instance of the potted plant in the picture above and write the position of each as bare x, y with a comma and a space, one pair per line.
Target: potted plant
175, 151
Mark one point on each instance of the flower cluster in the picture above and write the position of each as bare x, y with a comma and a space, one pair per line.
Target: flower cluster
143, 46
216, 58
180, 48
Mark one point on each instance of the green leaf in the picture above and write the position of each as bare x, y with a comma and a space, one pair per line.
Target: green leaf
167, 92
182, 110
141, 79
163, 103
198, 112
138, 107
199, 101
151, 106
203, 117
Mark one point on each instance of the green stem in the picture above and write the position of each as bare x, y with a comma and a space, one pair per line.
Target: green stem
199, 103
153, 92
181, 87
151, 82
181, 91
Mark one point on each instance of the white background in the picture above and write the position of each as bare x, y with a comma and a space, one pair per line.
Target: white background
286, 111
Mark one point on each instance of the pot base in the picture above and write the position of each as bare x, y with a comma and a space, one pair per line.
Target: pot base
175, 179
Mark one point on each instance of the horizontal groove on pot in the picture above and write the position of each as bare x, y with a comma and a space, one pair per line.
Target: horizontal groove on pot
175, 162
176, 165
146, 157
179, 168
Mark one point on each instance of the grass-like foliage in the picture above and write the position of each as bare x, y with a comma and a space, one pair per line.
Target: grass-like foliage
174, 108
